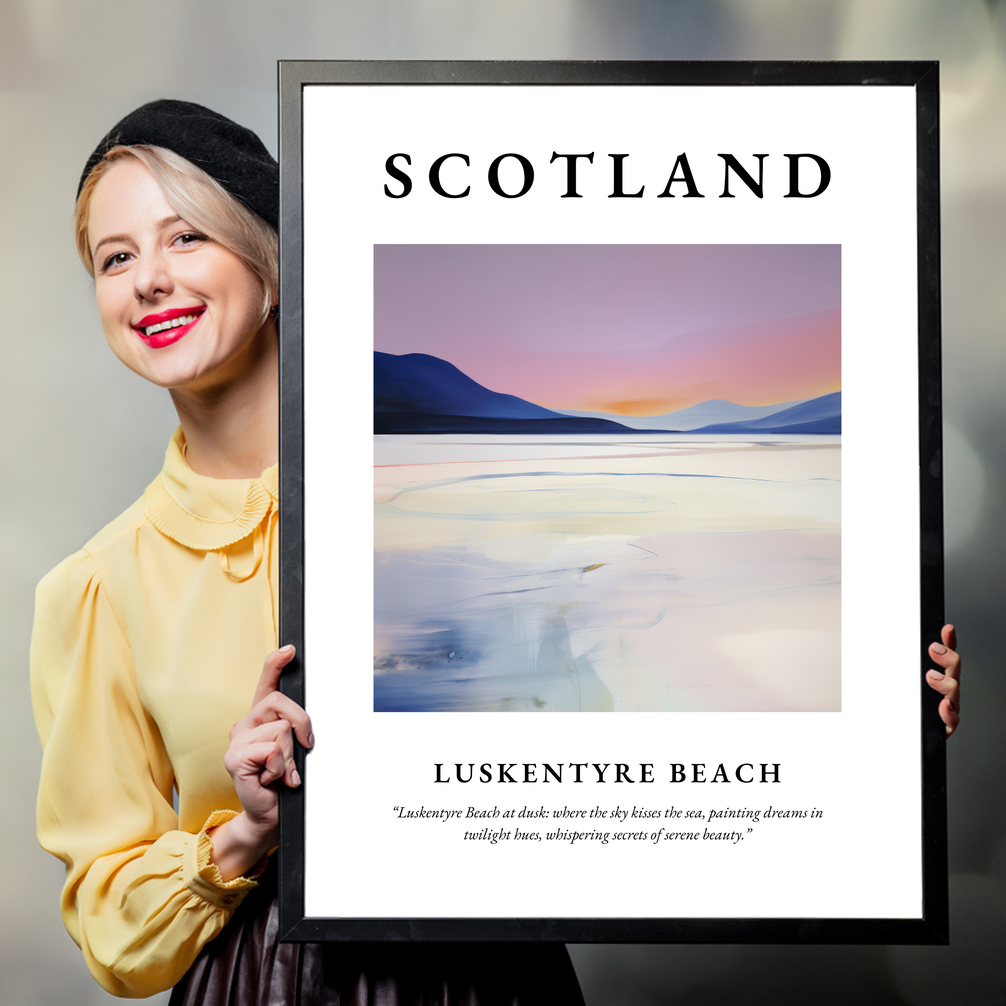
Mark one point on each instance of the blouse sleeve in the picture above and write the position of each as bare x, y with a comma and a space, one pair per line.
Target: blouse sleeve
141, 898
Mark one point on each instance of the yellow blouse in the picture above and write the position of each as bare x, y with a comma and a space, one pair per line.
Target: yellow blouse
147, 647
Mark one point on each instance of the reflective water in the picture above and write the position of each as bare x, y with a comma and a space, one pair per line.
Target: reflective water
607, 574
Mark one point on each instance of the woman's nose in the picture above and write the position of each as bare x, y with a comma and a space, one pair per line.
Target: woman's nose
152, 277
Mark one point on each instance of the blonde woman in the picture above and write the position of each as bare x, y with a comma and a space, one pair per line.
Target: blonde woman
165, 735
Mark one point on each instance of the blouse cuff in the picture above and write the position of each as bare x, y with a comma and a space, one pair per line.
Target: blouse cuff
202, 876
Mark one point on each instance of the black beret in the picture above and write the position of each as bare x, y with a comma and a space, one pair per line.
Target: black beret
231, 154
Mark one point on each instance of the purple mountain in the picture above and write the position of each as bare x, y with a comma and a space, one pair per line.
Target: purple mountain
417, 382
418, 393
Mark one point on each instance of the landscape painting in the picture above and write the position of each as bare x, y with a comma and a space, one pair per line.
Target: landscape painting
607, 478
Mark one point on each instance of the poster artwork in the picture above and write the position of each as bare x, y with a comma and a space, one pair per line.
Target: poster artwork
607, 477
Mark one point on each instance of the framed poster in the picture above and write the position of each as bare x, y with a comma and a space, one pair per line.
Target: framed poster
611, 501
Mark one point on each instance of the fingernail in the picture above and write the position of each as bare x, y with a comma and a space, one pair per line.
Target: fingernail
936, 675
295, 777
938, 648
287, 649
310, 740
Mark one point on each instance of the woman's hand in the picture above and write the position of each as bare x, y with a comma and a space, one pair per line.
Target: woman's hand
260, 753
948, 681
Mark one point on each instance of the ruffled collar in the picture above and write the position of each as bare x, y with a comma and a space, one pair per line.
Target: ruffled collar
203, 513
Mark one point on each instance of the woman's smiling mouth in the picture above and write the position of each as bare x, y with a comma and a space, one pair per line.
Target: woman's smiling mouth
166, 327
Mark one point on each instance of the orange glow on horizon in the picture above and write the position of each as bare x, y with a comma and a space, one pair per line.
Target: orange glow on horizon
639, 406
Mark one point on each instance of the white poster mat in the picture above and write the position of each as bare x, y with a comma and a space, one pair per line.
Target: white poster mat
860, 767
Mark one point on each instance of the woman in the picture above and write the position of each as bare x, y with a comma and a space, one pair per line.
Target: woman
148, 643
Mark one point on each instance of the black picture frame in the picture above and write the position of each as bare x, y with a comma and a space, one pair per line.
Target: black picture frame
931, 925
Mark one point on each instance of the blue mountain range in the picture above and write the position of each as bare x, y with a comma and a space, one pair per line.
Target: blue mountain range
819, 415
713, 411
418, 393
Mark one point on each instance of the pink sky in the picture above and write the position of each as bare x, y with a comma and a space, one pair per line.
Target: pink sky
629, 329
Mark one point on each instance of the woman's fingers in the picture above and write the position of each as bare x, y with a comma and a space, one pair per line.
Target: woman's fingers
947, 680
257, 761
270, 703
277, 736
274, 767
277, 706
944, 652
261, 749
271, 671
949, 712
945, 655
949, 636
949, 688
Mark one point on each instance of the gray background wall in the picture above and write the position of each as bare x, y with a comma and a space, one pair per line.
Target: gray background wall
82, 436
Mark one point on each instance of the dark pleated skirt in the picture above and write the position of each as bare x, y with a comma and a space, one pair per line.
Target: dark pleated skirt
246, 965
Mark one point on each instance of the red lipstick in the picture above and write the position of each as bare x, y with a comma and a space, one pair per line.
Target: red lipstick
165, 333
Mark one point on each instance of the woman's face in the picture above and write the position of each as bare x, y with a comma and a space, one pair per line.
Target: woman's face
177, 308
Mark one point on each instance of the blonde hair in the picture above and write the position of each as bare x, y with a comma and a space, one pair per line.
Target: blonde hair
199, 200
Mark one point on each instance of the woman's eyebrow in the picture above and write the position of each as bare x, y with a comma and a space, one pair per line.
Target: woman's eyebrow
109, 240
160, 225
